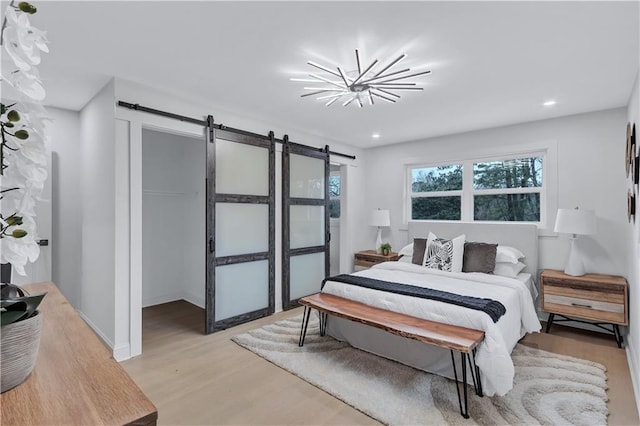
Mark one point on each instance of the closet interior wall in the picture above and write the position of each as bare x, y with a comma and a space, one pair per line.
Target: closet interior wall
173, 218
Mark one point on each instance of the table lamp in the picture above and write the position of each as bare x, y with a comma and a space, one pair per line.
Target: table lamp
575, 222
379, 218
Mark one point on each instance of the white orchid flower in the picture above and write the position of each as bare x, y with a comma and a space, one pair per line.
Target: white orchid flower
27, 83
26, 157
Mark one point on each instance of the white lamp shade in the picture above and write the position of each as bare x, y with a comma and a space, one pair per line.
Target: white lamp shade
575, 221
380, 218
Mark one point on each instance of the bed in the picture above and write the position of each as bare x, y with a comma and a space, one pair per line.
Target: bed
517, 294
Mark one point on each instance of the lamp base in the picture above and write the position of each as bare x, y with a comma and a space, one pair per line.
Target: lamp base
575, 265
379, 241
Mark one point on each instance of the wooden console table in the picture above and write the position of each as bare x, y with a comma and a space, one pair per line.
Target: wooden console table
75, 380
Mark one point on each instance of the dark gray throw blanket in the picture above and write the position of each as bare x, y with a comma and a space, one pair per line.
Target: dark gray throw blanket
493, 308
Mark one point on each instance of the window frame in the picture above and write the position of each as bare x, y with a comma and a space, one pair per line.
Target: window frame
468, 192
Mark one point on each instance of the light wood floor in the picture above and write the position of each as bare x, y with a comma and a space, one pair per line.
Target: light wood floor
206, 380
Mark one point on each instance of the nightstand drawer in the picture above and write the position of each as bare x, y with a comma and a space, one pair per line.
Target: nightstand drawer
368, 258
587, 286
584, 303
581, 293
587, 309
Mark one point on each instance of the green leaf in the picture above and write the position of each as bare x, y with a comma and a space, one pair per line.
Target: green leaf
21, 134
9, 317
7, 124
14, 220
18, 233
22, 307
13, 115
3, 109
27, 8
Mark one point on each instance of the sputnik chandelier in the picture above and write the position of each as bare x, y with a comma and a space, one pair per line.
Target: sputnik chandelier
360, 86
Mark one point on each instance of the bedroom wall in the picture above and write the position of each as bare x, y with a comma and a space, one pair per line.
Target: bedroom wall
97, 181
633, 269
590, 174
66, 203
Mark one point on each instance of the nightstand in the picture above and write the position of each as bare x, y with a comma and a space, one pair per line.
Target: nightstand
596, 299
368, 258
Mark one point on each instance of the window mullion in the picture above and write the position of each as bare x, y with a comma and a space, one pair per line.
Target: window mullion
467, 191
526, 190
452, 193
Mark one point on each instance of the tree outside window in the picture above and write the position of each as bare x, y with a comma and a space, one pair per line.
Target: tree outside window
436, 193
507, 190
334, 195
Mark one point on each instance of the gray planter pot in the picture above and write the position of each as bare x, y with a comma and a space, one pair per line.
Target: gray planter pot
20, 342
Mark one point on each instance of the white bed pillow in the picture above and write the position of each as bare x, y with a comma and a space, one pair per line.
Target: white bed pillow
407, 251
508, 269
508, 254
443, 254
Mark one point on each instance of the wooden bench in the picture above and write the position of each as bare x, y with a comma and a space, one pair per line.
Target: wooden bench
455, 338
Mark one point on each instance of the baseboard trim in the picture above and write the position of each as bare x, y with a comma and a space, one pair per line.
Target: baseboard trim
158, 300
194, 299
122, 352
96, 330
633, 370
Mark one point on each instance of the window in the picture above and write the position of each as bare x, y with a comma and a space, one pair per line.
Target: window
436, 192
507, 190
498, 190
334, 194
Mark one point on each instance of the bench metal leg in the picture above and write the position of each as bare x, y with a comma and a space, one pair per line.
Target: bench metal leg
464, 411
305, 323
324, 317
477, 373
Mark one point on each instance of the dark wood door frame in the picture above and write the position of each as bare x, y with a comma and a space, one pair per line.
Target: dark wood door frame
287, 201
211, 325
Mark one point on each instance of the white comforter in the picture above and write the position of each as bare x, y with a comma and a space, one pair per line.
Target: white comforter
493, 354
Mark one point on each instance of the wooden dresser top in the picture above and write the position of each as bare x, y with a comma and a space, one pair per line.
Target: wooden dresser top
75, 380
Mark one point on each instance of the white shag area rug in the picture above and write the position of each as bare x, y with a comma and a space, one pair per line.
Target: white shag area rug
549, 389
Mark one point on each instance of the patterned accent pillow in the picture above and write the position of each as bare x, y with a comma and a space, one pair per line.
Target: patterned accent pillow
439, 254
443, 254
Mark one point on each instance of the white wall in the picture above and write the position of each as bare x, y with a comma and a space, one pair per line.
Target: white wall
173, 218
590, 174
66, 203
97, 181
633, 250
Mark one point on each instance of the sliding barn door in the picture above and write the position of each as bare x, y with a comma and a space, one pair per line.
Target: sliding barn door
240, 227
305, 221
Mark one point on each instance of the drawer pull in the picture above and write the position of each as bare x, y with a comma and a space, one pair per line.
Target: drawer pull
579, 305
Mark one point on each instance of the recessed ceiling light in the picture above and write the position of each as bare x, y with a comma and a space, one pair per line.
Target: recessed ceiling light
549, 103
360, 85
375, 135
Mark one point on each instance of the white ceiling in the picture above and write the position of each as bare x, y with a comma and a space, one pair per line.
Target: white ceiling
493, 63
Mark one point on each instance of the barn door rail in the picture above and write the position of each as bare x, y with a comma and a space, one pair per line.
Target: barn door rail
205, 123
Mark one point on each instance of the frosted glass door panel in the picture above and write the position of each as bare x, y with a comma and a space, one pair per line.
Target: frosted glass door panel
241, 288
307, 273
306, 176
306, 226
241, 228
241, 168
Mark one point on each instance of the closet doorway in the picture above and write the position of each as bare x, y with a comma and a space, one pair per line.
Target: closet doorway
173, 228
